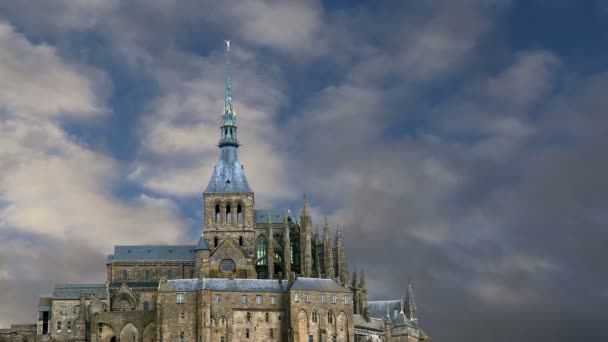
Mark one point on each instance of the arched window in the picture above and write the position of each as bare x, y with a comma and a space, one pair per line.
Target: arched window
239, 213
315, 316
240, 240
228, 213
217, 213
215, 243
330, 317
227, 265
260, 250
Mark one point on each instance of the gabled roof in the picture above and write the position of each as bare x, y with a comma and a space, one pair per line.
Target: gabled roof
156, 253
374, 323
316, 284
223, 284
377, 308
261, 215
73, 291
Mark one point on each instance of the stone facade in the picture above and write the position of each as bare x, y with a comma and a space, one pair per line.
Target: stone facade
253, 275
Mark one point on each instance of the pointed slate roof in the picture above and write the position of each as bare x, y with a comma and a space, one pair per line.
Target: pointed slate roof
202, 244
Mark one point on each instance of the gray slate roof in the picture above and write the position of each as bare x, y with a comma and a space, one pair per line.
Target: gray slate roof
378, 308
221, 284
261, 215
135, 284
374, 323
316, 284
202, 244
156, 253
73, 291
228, 175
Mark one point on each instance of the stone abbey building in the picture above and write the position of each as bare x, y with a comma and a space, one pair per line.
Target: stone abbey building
254, 275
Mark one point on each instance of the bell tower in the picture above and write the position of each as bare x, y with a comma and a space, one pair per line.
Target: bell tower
228, 201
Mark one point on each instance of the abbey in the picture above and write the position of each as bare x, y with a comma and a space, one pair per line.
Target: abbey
254, 275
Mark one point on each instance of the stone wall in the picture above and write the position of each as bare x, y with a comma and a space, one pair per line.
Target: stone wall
312, 317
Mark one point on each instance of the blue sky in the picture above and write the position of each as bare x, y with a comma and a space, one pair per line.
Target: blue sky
460, 143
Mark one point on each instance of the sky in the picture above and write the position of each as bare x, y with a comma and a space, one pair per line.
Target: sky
461, 144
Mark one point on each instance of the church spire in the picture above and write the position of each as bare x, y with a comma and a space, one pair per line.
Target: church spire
228, 128
410, 304
228, 175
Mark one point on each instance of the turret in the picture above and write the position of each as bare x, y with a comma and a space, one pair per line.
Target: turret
305, 241
410, 304
339, 261
270, 247
286, 247
388, 325
328, 253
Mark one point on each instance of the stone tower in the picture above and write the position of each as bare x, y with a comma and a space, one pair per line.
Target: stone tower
228, 202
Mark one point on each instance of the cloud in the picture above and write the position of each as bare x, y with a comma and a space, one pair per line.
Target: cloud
34, 80
180, 131
59, 213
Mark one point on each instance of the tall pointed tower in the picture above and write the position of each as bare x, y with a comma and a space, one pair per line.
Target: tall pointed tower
228, 201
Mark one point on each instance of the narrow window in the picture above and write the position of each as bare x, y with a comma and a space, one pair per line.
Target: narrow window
267, 317
334, 299
239, 213
323, 298
170, 274
310, 338
244, 299
248, 317
215, 241
258, 299
315, 316
247, 333
76, 309
330, 318
228, 214
271, 332
222, 339
125, 275
182, 338
273, 300
308, 298
99, 331
64, 310
147, 275
334, 339
217, 213
58, 325
146, 306
180, 298
240, 240
345, 299
182, 316
69, 326
296, 297
218, 298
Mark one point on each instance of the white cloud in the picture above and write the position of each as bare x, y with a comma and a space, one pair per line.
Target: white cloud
50, 184
180, 131
37, 82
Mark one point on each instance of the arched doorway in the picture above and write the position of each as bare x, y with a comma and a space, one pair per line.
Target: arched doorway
105, 333
149, 334
129, 333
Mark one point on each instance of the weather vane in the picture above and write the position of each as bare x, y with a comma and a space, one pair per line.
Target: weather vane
227, 45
